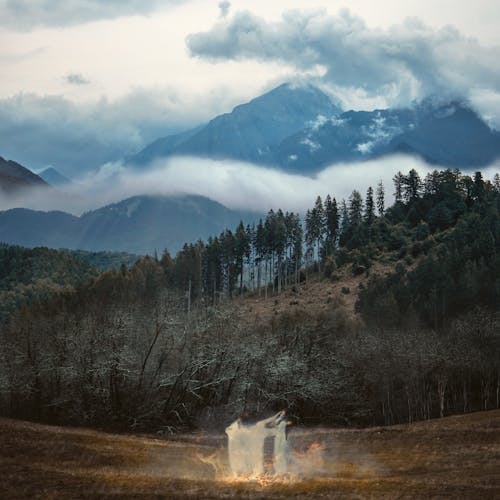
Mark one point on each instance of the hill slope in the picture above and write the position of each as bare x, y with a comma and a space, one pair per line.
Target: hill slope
454, 457
31, 275
137, 225
15, 177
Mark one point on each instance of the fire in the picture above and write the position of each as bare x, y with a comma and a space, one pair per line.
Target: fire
246, 460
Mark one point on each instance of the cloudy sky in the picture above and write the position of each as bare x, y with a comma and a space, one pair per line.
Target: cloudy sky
85, 82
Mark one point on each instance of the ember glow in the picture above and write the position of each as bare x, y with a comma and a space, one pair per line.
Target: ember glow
246, 446
262, 452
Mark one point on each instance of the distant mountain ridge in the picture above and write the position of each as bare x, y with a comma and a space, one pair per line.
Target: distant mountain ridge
451, 135
300, 129
138, 225
250, 130
14, 177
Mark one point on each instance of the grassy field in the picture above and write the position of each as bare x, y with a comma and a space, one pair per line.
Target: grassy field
454, 457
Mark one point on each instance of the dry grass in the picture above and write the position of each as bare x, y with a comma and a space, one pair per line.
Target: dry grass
315, 296
454, 457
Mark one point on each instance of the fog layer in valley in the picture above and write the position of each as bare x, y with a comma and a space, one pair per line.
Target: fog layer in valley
236, 185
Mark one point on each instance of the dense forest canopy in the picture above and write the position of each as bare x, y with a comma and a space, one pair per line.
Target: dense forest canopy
28, 275
165, 345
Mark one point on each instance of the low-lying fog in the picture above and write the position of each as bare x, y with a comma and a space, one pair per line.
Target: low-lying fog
235, 184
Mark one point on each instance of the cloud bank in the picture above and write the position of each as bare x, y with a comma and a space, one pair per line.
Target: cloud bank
405, 62
28, 14
38, 131
234, 184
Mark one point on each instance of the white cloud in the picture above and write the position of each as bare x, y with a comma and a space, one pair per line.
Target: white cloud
234, 184
313, 146
28, 14
37, 131
401, 63
318, 122
365, 147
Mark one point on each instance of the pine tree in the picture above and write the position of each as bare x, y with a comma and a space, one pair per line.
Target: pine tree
380, 199
250, 254
344, 223
355, 209
269, 231
398, 187
297, 246
290, 222
431, 183
369, 207
319, 226
331, 225
241, 250
227, 242
260, 251
478, 190
411, 185
496, 182
310, 231
280, 240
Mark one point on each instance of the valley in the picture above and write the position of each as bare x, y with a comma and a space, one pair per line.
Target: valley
451, 457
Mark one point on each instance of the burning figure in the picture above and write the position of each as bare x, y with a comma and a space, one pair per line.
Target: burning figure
246, 445
282, 452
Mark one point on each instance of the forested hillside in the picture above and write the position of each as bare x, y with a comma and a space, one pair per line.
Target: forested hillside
181, 341
31, 275
34, 275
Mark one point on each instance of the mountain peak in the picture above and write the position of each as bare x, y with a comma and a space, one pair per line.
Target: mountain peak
54, 177
250, 130
15, 177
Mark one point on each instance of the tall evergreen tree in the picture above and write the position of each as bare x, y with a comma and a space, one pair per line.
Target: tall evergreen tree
319, 226
297, 246
496, 182
241, 250
398, 187
331, 225
280, 241
260, 250
344, 223
369, 207
227, 242
478, 189
411, 185
355, 210
380, 199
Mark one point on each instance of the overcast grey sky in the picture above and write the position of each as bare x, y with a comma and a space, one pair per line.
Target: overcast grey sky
85, 81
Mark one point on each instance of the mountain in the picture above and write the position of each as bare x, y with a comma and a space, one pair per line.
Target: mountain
299, 129
54, 177
250, 131
15, 177
451, 135
139, 225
